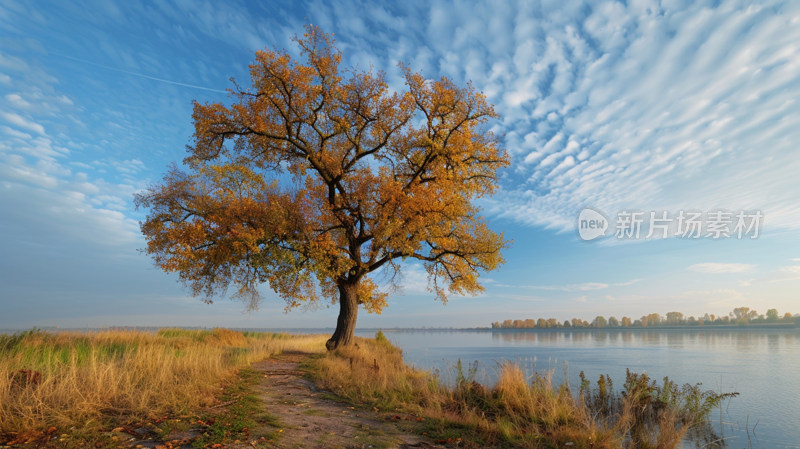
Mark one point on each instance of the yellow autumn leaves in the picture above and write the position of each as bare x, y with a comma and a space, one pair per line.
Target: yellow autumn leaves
318, 176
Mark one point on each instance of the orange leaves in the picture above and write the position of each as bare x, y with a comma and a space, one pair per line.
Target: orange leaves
369, 297
320, 176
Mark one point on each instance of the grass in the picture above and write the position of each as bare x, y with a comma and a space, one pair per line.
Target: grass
517, 411
75, 386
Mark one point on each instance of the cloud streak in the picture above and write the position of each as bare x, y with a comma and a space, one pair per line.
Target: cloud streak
581, 287
721, 268
142, 75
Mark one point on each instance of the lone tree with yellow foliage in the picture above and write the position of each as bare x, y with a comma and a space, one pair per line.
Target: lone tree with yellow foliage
316, 177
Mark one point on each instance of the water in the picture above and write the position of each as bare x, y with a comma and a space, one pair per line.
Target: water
763, 365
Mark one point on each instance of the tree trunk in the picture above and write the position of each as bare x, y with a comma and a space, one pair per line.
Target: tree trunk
348, 312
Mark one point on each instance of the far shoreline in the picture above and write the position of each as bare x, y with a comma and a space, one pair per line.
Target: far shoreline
317, 330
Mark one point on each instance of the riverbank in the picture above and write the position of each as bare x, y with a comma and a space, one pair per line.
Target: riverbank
220, 388
517, 411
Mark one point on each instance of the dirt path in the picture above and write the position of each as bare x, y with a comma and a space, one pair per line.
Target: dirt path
312, 421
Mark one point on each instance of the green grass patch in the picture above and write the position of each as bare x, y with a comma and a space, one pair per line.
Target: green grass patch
243, 418
192, 334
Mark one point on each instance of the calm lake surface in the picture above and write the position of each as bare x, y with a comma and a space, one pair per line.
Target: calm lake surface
763, 365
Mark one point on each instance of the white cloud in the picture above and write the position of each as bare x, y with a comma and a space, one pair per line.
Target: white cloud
782, 274
413, 279
794, 269
17, 101
671, 109
129, 167
21, 122
45, 201
581, 287
718, 268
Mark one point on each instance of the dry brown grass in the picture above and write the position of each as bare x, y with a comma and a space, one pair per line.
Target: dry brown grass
517, 411
82, 380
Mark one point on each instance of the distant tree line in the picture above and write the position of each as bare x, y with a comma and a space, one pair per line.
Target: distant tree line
739, 316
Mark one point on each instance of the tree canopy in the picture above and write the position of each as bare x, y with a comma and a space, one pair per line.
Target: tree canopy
317, 176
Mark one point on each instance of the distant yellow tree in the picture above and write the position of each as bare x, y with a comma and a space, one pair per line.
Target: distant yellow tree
530, 323
743, 315
316, 177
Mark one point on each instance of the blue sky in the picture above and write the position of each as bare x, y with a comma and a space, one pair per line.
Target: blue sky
618, 106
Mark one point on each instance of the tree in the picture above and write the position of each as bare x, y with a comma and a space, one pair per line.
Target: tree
674, 318
613, 322
541, 323
772, 315
626, 321
317, 177
530, 323
599, 321
741, 314
744, 315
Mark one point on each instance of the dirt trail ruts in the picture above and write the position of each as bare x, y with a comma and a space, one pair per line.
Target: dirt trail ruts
310, 420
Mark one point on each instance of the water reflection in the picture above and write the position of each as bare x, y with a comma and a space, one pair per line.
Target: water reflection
747, 342
773, 342
675, 339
